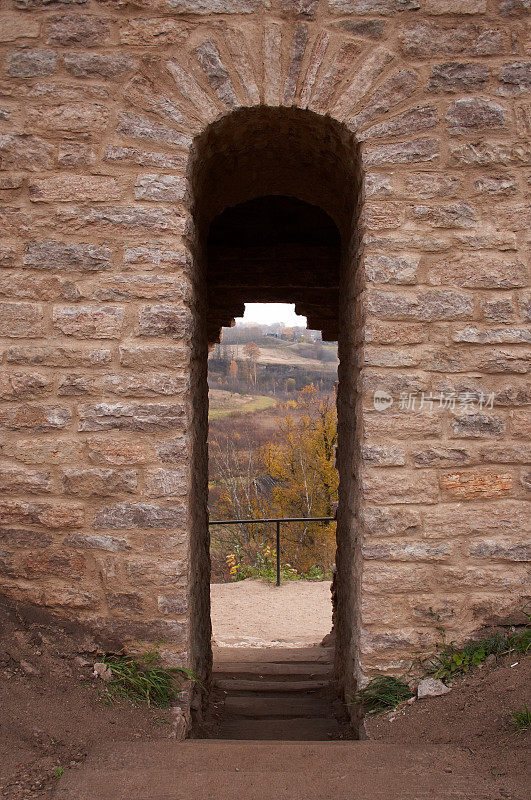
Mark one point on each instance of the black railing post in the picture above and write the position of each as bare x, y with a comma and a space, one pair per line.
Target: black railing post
278, 552
255, 521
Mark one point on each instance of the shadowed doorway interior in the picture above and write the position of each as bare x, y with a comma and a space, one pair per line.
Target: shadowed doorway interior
276, 203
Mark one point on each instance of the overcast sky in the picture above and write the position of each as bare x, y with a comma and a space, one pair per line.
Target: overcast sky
268, 313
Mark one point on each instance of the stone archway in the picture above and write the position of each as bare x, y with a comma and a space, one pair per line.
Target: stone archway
276, 201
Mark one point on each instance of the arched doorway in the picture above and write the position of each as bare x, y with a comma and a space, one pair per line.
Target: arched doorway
275, 202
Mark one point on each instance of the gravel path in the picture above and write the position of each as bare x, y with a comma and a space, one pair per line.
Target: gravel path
252, 613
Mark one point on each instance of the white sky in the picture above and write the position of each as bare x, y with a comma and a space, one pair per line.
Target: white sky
268, 313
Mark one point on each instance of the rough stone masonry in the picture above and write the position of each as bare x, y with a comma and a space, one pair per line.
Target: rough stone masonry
104, 105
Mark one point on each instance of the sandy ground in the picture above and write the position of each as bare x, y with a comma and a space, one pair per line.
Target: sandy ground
252, 613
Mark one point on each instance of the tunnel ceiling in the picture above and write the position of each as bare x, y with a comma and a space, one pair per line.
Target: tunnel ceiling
274, 249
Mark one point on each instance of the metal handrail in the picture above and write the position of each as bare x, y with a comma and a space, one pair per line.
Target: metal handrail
277, 520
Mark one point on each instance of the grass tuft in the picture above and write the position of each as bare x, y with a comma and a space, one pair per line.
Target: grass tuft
522, 719
450, 661
382, 694
141, 681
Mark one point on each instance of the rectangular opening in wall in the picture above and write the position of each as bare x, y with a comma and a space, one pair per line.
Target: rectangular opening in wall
272, 457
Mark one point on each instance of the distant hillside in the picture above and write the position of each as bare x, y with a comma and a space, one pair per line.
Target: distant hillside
272, 360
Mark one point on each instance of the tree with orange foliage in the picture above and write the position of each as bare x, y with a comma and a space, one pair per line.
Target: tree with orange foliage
302, 464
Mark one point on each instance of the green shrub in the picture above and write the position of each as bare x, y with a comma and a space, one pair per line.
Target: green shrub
382, 693
141, 681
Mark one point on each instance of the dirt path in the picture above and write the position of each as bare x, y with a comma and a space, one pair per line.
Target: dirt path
252, 613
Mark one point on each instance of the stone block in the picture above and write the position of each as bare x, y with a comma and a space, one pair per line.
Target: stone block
79, 30
202, 7
406, 551
401, 153
167, 482
98, 65
127, 602
136, 126
68, 118
43, 565
515, 78
134, 287
150, 31
413, 121
454, 76
440, 39
474, 485
456, 215
383, 456
31, 63
66, 188
54, 255
118, 452
17, 26
131, 416
53, 515
455, 7
219, 79
426, 306
44, 450
89, 322
400, 487
479, 271
23, 538
175, 605
377, 332
127, 218
21, 320
110, 544
141, 515
504, 335
142, 158
59, 356
392, 521
502, 549
167, 188
478, 426
25, 152
501, 187
76, 154
31, 481
23, 385
34, 417
164, 320
154, 357
172, 450
153, 384
76, 385
402, 425
97, 482
441, 456
486, 154
473, 114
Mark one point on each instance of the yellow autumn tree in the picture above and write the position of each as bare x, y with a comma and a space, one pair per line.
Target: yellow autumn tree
301, 462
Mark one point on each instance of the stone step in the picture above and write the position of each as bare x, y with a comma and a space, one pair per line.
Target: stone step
279, 707
278, 655
266, 770
261, 685
296, 729
303, 670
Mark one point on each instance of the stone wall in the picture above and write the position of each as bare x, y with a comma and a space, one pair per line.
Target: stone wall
102, 304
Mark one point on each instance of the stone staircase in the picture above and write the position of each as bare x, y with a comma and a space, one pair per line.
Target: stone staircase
251, 770
276, 693
276, 736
